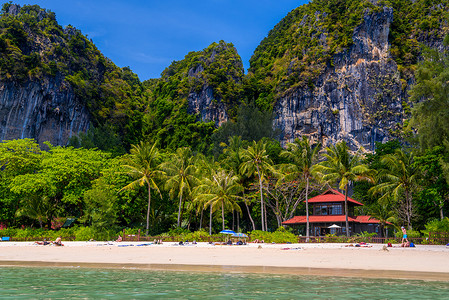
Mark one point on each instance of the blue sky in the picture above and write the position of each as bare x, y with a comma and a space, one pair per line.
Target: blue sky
148, 35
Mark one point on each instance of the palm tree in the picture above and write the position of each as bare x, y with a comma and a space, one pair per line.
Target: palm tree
304, 155
398, 179
221, 189
384, 214
204, 169
35, 207
256, 160
180, 170
233, 160
143, 165
342, 167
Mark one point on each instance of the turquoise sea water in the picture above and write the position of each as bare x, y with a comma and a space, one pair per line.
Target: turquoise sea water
86, 283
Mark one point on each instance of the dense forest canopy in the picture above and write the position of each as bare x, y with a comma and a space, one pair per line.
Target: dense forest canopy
148, 162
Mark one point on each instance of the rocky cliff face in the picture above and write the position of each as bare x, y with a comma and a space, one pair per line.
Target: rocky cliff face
204, 102
42, 110
358, 99
207, 106
219, 62
54, 82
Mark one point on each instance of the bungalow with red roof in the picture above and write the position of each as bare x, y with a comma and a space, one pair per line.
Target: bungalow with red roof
328, 216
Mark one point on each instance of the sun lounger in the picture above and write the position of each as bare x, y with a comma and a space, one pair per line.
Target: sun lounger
5, 238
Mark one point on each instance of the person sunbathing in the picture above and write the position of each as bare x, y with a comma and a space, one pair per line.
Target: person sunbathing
43, 243
58, 241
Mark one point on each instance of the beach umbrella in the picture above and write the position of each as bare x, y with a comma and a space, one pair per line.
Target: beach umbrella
239, 234
334, 226
227, 231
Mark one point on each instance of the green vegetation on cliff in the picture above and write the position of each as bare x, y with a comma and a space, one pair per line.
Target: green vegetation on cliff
33, 47
168, 119
300, 47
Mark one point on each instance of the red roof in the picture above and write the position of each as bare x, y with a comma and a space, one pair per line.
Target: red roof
332, 196
330, 219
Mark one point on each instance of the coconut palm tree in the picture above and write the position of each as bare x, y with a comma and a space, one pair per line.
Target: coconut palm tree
221, 189
398, 179
35, 207
143, 165
180, 170
256, 161
204, 169
384, 214
343, 167
304, 155
232, 160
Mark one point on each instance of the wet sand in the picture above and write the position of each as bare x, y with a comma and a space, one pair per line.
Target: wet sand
421, 262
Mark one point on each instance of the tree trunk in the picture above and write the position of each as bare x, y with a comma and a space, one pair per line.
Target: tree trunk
179, 211
265, 217
201, 218
307, 210
222, 215
346, 210
408, 207
249, 215
148, 210
190, 220
262, 215
210, 221
441, 214
238, 222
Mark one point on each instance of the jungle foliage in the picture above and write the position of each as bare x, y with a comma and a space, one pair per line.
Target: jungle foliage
86, 180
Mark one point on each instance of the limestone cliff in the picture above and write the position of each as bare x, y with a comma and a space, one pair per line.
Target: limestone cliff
357, 99
216, 73
45, 111
341, 70
54, 82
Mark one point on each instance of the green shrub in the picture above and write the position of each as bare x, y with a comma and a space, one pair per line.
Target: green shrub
437, 226
84, 234
279, 236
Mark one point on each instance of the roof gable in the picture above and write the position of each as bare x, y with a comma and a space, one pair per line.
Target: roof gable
332, 195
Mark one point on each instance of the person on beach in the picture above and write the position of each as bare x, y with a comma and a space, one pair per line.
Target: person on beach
44, 242
58, 241
404, 241
119, 239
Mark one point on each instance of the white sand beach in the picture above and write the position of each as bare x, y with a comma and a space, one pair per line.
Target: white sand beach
422, 262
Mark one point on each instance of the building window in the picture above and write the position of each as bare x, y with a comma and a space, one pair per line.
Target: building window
335, 210
323, 210
328, 209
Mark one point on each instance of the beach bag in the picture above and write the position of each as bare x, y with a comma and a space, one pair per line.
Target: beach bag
390, 245
412, 245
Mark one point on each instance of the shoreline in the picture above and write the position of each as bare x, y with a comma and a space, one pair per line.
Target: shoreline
420, 263
324, 272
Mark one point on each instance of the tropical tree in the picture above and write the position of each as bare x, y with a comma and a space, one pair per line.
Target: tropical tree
343, 167
36, 208
304, 155
181, 174
222, 190
232, 161
143, 164
256, 161
431, 96
384, 213
398, 180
